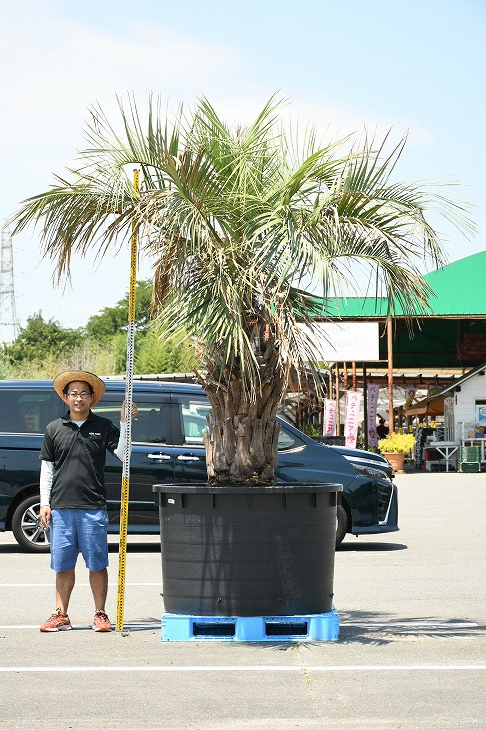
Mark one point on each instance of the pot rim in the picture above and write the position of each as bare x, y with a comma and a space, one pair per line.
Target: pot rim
280, 488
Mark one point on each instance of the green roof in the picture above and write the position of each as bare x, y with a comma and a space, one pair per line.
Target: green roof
458, 291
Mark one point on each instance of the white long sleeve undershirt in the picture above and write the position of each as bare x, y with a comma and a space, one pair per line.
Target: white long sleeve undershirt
47, 467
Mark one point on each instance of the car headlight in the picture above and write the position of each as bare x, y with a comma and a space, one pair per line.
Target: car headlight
369, 471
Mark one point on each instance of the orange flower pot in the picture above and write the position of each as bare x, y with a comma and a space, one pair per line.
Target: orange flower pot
396, 460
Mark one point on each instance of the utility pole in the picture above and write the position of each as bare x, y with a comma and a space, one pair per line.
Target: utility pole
8, 312
389, 337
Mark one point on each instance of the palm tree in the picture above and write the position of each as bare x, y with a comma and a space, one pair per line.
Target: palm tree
237, 221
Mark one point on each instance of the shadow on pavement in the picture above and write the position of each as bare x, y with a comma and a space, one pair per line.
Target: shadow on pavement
380, 629
350, 545
14, 548
371, 547
371, 627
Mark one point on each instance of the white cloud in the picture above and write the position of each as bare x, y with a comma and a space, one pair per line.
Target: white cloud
54, 69
58, 68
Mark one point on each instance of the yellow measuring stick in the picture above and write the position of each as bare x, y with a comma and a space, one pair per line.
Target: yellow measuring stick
122, 555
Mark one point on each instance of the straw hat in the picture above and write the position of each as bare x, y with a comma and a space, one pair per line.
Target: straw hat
68, 377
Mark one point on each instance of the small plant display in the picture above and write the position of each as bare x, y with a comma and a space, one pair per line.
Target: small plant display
397, 443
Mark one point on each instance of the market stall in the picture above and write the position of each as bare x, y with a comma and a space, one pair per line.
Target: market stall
462, 404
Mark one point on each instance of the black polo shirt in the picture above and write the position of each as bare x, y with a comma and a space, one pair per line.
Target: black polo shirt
79, 454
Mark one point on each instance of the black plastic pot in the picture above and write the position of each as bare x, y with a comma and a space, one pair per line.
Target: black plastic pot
248, 551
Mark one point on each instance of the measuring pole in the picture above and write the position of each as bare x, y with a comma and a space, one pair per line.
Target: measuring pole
122, 555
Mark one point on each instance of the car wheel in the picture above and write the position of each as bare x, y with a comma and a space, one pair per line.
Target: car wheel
341, 524
27, 527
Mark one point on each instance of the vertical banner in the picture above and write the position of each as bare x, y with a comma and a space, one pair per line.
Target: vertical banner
373, 393
352, 418
329, 417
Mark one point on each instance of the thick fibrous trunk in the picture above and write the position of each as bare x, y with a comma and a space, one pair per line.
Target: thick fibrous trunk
242, 444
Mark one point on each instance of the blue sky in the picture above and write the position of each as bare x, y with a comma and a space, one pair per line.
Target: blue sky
414, 66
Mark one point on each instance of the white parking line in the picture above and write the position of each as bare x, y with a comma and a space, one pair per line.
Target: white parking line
263, 668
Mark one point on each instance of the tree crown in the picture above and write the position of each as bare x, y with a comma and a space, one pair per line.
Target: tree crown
237, 220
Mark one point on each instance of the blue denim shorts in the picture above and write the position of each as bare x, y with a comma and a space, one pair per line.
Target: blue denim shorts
79, 530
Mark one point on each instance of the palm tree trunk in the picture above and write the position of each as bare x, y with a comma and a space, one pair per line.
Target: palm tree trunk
242, 443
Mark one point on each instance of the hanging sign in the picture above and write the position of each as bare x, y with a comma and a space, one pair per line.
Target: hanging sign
343, 341
410, 395
473, 347
329, 417
372, 396
352, 418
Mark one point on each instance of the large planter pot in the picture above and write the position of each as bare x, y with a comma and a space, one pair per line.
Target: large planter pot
396, 460
248, 551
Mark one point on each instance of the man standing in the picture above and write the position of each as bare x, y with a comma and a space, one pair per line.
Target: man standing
73, 494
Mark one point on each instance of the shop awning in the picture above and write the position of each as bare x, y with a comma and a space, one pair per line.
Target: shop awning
427, 407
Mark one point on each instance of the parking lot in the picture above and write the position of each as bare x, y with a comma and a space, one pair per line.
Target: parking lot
412, 652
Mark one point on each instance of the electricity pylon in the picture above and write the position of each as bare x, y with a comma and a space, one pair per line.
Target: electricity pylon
9, 325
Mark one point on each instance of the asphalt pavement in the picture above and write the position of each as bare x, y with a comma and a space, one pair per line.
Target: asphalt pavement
412, 652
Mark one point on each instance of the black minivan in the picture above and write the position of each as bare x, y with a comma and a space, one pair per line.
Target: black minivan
167, 437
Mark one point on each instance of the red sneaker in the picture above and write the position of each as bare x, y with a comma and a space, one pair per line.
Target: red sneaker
101, 621
57, 622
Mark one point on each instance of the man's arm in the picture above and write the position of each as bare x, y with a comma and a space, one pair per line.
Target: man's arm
120, 446
46, 476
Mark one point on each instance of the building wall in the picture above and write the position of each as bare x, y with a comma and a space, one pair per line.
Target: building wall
464, 402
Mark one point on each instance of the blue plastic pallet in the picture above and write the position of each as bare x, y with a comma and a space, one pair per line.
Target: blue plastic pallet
310, 627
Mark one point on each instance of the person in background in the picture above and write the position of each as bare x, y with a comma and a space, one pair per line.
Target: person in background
382, 429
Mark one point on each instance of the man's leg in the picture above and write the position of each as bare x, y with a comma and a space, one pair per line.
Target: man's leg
64, 551
93, 541
64, 586
98, 580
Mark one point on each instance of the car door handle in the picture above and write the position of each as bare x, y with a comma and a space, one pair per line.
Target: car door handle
158, 457
188, 457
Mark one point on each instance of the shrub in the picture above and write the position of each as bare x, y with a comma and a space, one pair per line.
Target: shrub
397, 443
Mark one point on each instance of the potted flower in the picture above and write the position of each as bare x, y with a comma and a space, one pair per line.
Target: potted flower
238, 221
395, 446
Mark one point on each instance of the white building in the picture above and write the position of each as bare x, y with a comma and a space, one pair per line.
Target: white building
464, 406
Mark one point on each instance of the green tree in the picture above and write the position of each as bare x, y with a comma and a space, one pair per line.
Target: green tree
153, 355
111, 320
39, 339
6, 370
46, 348
236, 218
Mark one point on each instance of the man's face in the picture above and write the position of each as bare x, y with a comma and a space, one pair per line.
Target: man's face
79, 399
